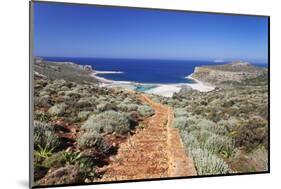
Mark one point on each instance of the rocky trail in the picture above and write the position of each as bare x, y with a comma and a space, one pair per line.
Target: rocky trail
155, 151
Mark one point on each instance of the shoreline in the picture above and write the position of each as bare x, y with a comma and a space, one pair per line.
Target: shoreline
200, 85
166, 90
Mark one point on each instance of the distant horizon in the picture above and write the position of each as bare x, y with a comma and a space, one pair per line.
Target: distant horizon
124, 58
63, 30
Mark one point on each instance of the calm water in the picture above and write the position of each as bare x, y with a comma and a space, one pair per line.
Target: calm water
142, 71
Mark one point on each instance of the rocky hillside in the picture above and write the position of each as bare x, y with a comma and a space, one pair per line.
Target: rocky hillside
65, 70
78, 125
236, 71
225, 130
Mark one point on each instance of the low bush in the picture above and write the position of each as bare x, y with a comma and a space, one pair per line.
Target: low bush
204, 145
181, 123
89, 139
94, 140
250, 135
105, 106
218, 144
180, 112
56, 160
44, 136
72, 157
41, 116
205, 124
108, 122
83, 115
127, 107
57, 109
85, 102
43, 101
73, 93
145, 110
207, 163
190, 141
44, 93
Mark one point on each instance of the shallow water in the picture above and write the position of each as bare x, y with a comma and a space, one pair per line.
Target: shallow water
142, 88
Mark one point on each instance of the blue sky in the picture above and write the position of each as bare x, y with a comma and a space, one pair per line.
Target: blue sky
63, 30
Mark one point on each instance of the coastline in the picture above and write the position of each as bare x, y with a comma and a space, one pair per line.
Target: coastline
111, 83
166, 90
200, 85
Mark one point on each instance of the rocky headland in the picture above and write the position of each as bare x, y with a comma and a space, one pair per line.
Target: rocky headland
235, 71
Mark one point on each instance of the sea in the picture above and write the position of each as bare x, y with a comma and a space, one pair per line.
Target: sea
142, 70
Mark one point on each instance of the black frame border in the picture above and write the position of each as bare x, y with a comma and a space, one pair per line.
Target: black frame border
31, 23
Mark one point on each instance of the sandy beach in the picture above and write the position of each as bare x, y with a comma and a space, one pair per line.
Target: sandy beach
102, 79
169, 90
199, 85
166, 90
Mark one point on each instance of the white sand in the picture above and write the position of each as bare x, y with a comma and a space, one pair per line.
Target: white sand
111, 83
166, 90
108, 72
102, 79
169, 90
199, 85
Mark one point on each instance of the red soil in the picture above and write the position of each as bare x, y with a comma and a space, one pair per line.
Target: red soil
155, 151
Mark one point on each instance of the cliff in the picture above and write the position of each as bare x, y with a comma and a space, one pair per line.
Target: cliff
236, 71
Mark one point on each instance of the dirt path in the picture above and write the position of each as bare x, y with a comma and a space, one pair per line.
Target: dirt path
153, 152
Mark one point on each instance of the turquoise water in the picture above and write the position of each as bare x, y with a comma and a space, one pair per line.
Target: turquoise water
142, 88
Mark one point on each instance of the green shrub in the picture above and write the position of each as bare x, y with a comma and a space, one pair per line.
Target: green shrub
205, 124
181, 123
42, 153
41, 116
44, 93
172, 102
61, 93
204, 145
56, 160
72, 157
88, 139
105, 106
44, 136
93, 140
127, 107
74, 93
64, 88
145, 110
43, 101
155, 98
180, 112
57, 109
250, 135
84, 102
83, 115
108, 122
219, 144
58, 83
190, 141
202, 135
128, 100
207, 163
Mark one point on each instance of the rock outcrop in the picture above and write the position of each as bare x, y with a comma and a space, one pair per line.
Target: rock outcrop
236, 71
